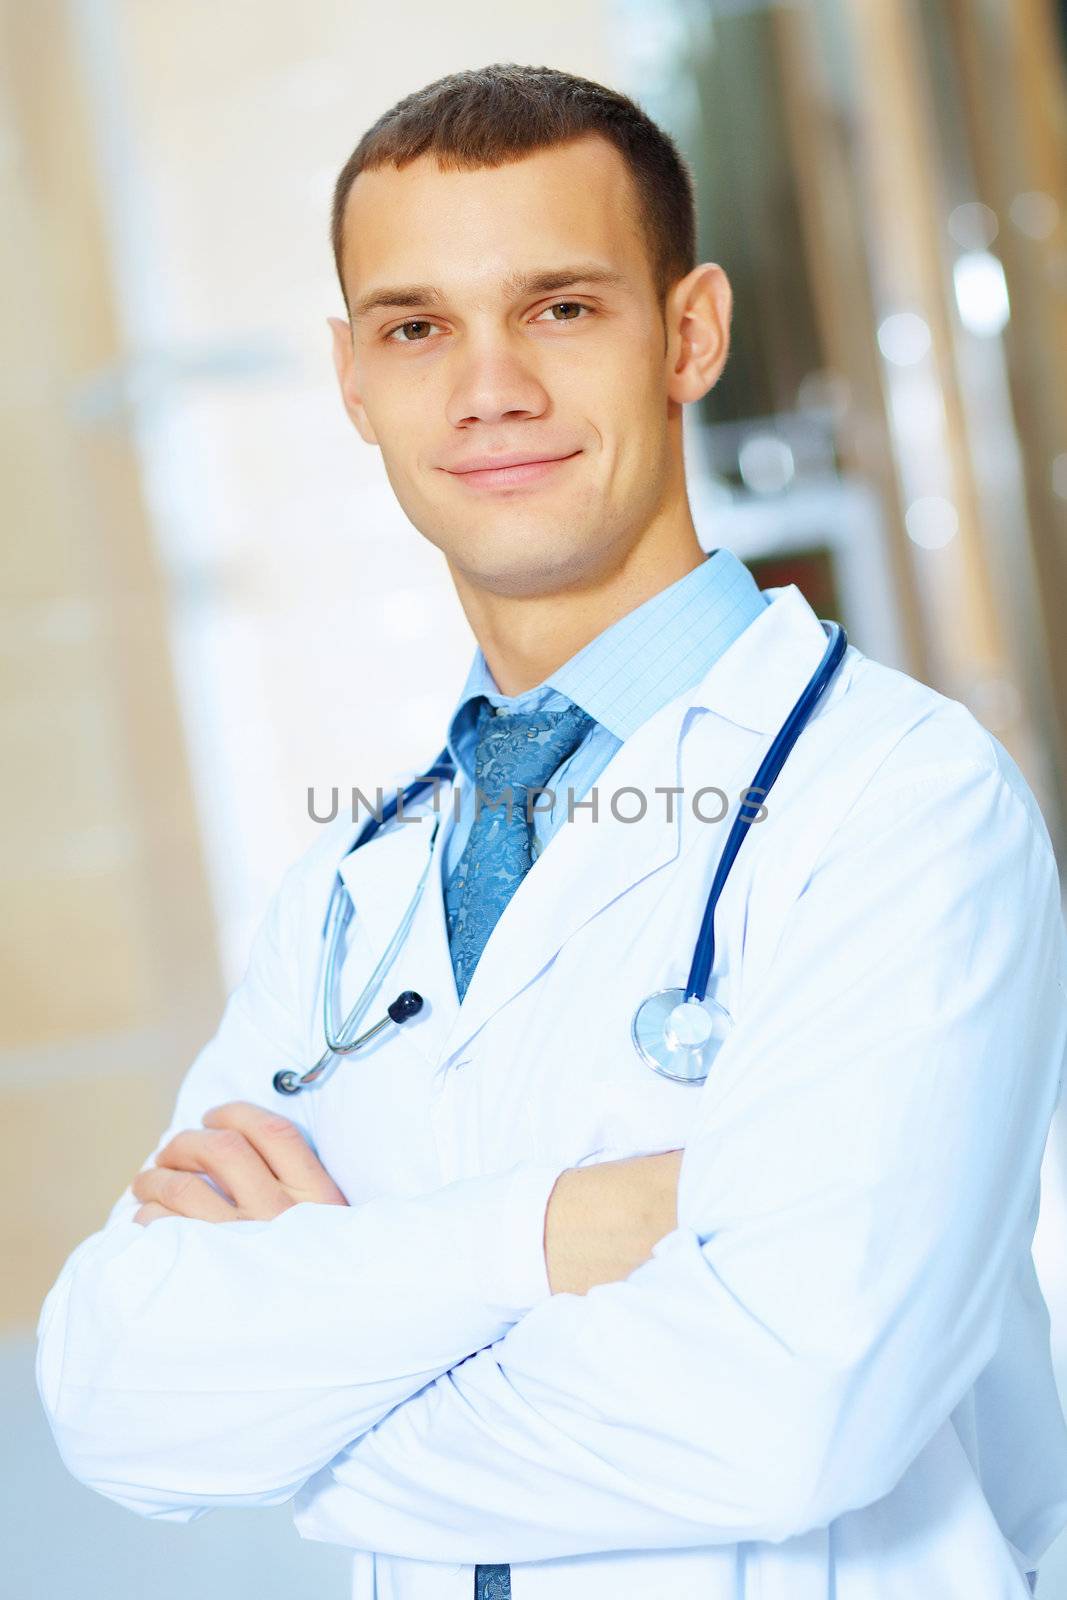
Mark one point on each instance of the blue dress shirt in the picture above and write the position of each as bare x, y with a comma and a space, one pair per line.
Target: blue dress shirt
624, 675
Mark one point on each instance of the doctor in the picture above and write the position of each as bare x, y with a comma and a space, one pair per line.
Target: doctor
465, 1313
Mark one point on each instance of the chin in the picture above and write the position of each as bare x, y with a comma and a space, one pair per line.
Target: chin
530, 557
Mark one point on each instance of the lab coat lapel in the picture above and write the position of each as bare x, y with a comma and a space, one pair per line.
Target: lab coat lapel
586, 865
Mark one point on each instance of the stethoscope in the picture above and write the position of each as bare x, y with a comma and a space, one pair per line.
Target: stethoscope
676, 1032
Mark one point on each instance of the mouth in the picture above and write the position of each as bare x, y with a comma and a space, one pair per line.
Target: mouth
508, 472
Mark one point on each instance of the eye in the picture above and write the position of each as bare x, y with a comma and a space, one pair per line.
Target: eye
569, 311
411, 332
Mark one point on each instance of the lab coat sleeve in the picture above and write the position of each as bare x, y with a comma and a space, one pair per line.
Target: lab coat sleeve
858, 1189
186, 1365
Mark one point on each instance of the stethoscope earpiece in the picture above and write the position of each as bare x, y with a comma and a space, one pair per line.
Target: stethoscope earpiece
407, 1004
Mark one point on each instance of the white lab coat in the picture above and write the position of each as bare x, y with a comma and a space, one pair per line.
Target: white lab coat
831, 1380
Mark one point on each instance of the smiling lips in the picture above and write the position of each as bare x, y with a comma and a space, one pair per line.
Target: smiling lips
507, 471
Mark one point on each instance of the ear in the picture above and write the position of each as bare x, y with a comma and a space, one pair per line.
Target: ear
344, 361
698, 332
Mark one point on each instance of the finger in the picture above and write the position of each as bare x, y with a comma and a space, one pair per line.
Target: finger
151, 1213
183, 1192
283, 1147
226, 1156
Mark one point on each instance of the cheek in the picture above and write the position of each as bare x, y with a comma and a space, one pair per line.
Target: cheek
398, 398
623, 390
405, 426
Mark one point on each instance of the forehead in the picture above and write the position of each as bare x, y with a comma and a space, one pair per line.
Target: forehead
468, 227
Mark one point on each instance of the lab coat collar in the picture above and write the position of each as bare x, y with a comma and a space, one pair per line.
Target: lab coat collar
756, 682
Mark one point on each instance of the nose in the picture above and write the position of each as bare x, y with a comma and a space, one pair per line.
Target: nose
494, 384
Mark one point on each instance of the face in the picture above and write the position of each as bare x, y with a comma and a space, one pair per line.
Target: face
509, 355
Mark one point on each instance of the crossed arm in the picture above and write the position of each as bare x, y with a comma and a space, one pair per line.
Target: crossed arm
855, 1200
185, 1365
600, 1222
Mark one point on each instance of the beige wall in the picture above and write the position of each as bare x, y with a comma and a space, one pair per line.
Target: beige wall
108, 971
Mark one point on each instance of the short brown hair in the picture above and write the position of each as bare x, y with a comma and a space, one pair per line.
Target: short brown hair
492, 115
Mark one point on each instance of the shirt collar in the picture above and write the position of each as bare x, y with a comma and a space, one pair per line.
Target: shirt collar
634, 666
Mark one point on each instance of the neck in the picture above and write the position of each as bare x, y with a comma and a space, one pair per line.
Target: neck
526, 637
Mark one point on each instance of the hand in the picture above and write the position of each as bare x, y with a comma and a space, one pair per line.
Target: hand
258, 1158
602, 1220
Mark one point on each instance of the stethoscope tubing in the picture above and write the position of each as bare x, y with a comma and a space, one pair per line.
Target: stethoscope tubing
339, 908
341, 1042
696, 987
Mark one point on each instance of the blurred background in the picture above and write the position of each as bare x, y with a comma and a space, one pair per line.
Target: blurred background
201, 559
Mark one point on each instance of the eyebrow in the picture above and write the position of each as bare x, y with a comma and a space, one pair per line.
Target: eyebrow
516, 284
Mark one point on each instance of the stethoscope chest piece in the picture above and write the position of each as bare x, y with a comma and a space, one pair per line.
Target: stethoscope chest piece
680, 1038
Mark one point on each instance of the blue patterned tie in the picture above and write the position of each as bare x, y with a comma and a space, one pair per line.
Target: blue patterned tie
516, 752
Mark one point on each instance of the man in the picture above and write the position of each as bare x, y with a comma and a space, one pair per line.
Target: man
466, 1309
